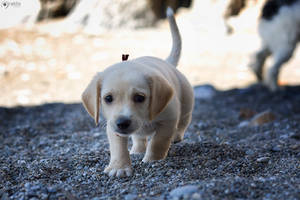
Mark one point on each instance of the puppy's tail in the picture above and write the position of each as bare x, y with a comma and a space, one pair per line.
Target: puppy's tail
176, 39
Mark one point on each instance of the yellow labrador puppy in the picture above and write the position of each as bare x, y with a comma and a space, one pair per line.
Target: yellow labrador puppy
146, 98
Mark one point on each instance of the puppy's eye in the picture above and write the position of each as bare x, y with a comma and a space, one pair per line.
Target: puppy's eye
138, 98
108, 99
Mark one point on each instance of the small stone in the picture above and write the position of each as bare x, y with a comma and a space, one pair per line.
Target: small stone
243, 124
130, 197
249, 152
196, 196
36, 187
295, 146
44, 196
296, 136
253, 185
183, 191
204, 92
27, 185
51, 189
263, 159
201, 126
246, 113
276, 148
262, 118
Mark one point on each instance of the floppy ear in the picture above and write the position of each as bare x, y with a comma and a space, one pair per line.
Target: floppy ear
91, 97
160, 94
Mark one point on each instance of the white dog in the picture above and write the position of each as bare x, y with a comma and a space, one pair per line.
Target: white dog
279, 29
146, 98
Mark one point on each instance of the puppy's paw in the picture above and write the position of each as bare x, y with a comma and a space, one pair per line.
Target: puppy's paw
118, 172
178, 138
147, 159
150, 158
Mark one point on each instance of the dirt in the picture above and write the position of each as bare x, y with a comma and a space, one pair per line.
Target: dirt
55, 151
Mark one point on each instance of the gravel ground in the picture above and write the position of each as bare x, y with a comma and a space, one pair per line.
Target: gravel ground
54, 151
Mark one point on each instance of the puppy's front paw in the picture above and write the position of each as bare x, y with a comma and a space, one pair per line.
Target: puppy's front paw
147, 159
118, 172
150, 158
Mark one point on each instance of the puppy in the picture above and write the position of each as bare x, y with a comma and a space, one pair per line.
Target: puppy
146, 98
279, 31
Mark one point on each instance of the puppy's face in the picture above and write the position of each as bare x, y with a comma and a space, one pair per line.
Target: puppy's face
128, 96
125, 102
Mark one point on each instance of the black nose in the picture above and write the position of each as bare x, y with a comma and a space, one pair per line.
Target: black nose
123, 123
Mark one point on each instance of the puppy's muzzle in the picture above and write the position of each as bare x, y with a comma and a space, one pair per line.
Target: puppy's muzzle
123, 125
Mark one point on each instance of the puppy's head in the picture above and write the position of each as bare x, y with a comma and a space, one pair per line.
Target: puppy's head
127, 96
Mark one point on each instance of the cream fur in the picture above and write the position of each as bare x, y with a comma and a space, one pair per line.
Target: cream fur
161, 118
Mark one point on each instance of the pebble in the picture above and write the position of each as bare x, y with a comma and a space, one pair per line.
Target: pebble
263, 159
262, 118
250, 152
52, 189
243, 124
201, 126
183, 191
131, 197
295, 136
27, 185
204, 92
246, 113
196, 196
295, 146
276, 148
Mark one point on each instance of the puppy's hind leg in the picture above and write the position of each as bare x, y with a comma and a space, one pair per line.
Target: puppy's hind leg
181, 128
139, 144
258, 61
158, 146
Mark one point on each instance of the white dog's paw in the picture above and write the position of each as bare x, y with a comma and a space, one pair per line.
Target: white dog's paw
272, 84
118, 172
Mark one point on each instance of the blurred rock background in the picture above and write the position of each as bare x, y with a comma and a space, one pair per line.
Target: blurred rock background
50, 49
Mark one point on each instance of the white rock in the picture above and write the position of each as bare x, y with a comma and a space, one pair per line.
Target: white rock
183, 191
204, 92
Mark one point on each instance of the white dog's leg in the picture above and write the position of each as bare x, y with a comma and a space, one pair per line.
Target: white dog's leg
159, 145
280, 57
258, 61
120, 164
139, 144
